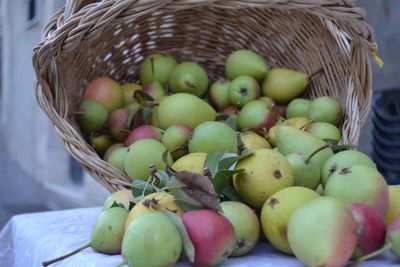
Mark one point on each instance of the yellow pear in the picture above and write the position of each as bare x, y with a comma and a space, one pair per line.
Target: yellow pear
152, 203
278, 209
193, 162
265, 172
394, 204
253, 141
297, 122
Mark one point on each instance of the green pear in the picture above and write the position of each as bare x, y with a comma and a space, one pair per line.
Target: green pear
325, 109
151, 233
183, 108
106, 236
256, 115
242, 90
213, 136
359, 184
343, 159
117, 158
92, 116
111, 149
325, 131
123, 196
128, 90
156, 68
188, 77
246, 225
141, 154
245, 62
155, 90
219, 95
176, 138
101, 142
290, 140
298, 107
283, 85
306, 172
323, 233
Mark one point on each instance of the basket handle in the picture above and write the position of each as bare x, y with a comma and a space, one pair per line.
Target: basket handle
73, 6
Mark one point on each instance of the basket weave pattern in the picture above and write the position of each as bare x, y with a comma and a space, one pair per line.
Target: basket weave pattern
86, 40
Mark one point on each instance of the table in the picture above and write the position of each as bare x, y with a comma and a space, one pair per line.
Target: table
28, 239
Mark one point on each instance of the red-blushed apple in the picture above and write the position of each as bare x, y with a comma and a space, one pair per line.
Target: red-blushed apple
143, 132
105, 91
246, 225
212, 235
117, 122
371, 230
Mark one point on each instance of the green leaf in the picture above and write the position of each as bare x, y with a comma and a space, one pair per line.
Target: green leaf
131, 114
131, 205
338, 148
173, 184
188, 246
116, 204
140, 187
230, 193
185, 202
137, 199
222, 117
147, 115
221, 179
212, 161
142, 97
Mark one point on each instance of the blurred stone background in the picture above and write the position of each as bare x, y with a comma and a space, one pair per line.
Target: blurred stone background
35, 172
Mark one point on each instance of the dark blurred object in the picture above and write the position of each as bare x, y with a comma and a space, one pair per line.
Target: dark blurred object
75, 171
386, 133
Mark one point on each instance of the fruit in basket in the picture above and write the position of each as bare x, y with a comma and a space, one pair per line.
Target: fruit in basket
155, 90
105, 91
325, 109
325, 131
256, 115
92, 116
394, 204
156, 68
343, 159
392, 241
123, 196
283, 85
213, 136
259, 180
141, 154
155, 202
245, 224
111, 149
101, 142
306, 173
245, 62
117, 158
149, 234
106, 236
242, 90
118, 124
218, 94
290, 140
323, 233
128, 90
359, 184
371, 230
213, 239
193, 162
143, 132
278, 209
297, 122
176, 138
253, 141
188, 77
183, 108
298, 107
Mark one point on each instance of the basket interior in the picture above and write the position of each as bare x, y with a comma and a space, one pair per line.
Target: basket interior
287, 38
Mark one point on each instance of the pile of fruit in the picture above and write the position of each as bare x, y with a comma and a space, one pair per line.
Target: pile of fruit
214, 166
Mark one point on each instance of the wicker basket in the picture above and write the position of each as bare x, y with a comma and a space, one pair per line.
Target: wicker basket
88, 39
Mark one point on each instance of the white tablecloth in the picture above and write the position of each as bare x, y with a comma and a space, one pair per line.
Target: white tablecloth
29, 239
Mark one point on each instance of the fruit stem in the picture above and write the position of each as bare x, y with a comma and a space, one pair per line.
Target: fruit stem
152, 68
240, 145
315, 73
306, 124
316, 151
122, 263
371, 255
47, 263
